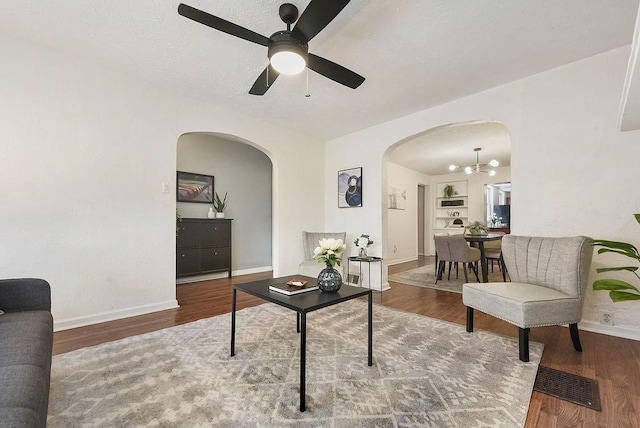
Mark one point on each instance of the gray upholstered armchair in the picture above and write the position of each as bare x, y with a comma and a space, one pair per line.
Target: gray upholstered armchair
549, 279
310, 266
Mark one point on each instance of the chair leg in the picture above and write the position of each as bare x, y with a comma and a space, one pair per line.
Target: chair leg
457, 270
441, 267
503, 268
469, 319
475, 271
449, 274
464, 269
435, 268
575, 338
523, 340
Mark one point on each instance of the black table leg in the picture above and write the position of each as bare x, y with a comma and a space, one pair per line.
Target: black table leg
483, 262
233, 323
370, 328
303, 358
298, 322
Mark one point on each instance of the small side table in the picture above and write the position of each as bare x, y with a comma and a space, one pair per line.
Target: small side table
368, 261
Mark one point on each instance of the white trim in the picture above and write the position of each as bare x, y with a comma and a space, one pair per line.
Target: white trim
220, 275
111, 316
609, 330
252, 270
405, 260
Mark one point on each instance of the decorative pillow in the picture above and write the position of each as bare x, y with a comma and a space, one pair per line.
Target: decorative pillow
1, 312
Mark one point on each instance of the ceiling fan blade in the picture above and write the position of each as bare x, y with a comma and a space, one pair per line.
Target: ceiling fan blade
315, 17
264, 81
334, 71
221, 25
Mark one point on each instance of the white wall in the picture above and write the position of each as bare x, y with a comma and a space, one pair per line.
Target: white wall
562, 125
402, 233
84, 152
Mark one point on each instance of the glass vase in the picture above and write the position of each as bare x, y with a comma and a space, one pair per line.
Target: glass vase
363, 252
329, 279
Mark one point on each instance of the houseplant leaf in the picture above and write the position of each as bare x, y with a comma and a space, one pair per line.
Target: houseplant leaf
613, 284
621, 296
610, 269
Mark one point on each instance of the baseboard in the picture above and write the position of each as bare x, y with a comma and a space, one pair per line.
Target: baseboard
252, 270
220, 275
609, 330
111, 316
407, 259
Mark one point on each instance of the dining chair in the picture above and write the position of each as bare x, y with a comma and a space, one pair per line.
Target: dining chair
455, 249
493, 253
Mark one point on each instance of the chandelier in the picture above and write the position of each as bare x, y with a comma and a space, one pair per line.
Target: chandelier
478, 167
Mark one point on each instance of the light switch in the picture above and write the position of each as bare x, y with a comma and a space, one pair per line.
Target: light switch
165, 187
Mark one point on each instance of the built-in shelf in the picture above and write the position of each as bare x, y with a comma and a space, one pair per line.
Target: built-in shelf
442, 216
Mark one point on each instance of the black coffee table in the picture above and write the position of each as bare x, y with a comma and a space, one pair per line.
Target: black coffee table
302, 303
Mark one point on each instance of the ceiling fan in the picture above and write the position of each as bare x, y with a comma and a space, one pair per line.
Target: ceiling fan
288, 50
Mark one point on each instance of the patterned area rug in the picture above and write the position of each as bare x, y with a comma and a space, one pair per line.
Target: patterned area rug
426, 373
425, 277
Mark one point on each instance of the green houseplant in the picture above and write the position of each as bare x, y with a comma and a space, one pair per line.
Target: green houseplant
476, 228
619, 290
449, 191
219, 204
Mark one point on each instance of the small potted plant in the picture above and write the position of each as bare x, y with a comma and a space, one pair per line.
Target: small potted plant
476, 228
219, 204
449, 191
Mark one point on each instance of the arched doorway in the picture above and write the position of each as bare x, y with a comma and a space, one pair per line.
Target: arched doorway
244, 172
422, 161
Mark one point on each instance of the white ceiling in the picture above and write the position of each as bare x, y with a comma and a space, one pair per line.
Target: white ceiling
414, 54
432, 152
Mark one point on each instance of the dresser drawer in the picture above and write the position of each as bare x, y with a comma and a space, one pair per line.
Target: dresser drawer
215, 258
187, 261
215, 234
188, 234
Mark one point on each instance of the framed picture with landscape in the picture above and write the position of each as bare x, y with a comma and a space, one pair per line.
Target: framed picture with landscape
192, 187
350, 188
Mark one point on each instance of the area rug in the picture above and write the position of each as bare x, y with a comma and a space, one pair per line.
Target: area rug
426, 372
424, 276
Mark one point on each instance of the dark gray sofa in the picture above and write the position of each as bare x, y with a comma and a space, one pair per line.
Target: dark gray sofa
26, 345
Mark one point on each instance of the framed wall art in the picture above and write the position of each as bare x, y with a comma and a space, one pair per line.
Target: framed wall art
350, 188
192, 187
397, 198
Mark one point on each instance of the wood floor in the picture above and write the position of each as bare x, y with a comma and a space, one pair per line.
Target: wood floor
613, 362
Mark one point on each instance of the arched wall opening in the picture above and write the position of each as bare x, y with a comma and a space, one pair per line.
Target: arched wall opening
245, 172
422, 161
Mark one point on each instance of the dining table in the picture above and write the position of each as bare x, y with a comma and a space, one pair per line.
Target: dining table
479, 240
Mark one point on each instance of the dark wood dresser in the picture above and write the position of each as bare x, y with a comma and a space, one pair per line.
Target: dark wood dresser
203, 246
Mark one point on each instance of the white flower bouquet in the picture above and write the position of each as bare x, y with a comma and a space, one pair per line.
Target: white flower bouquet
363, 241
329, 250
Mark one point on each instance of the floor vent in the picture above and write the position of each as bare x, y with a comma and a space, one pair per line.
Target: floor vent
569, 387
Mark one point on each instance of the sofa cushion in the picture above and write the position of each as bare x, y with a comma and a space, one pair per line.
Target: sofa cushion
23, 386
19, 417
26, 338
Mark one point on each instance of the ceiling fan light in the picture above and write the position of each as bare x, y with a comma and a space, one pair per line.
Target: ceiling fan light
494, 163
289, 63
468, 170
492, 173
453, 167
